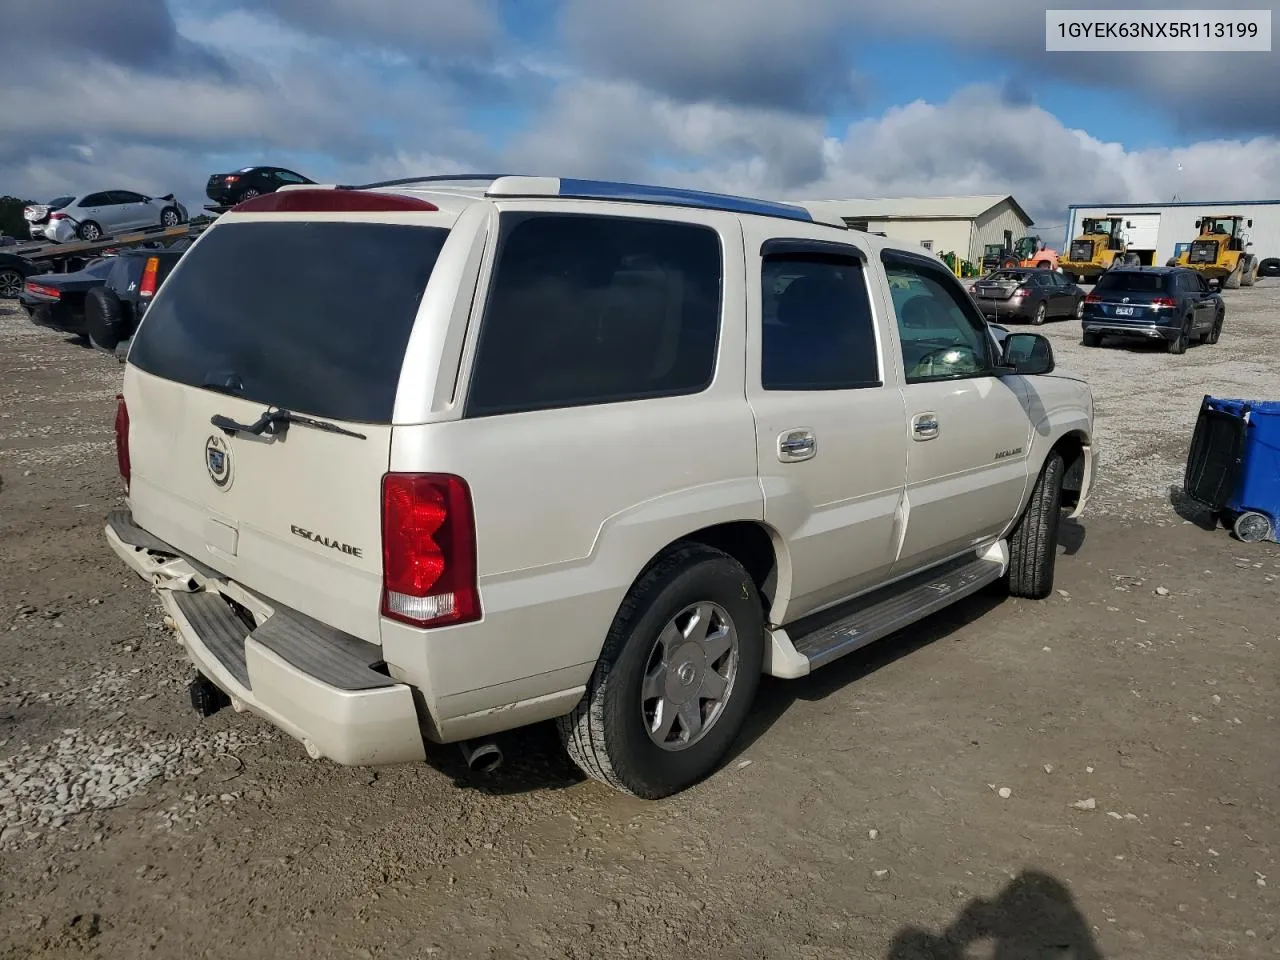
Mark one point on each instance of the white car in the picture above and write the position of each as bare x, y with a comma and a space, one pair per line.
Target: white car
92, 216
452, 458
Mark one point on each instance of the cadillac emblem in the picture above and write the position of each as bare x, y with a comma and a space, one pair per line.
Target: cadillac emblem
217, 459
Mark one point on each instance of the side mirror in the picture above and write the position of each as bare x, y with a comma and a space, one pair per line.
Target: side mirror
1197, 224
1248, 245
1028, 354
1128, 224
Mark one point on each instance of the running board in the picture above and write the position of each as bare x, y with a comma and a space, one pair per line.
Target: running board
818, 639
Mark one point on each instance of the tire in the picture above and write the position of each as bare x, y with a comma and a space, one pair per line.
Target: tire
170, 217
1080, 309
1178, 346
89, 231
608, 733
1037, 318
1215, 333
122, 349
1249, 273
11, 282
1091, 340
1232, 280
247, 194
1270, 267
1033, 545
105, 318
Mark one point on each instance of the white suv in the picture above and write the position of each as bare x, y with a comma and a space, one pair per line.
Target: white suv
437, 459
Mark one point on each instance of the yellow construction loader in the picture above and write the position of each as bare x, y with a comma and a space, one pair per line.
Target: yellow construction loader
1102, 244
1221, 252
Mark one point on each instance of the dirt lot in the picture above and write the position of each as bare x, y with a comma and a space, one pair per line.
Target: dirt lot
1131, 717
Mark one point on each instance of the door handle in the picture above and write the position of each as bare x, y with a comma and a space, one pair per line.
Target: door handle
796, 445
924, 426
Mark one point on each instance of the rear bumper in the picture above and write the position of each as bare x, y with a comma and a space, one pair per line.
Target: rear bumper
319, 686
1005, 309
1138, 331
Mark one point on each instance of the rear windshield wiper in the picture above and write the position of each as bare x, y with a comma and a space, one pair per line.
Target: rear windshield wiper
274, 423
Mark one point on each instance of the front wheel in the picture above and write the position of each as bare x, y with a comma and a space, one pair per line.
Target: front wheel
1033, 545
169, 217
676, 677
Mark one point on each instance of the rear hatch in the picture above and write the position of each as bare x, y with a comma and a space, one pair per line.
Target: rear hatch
305, 316
1131, 297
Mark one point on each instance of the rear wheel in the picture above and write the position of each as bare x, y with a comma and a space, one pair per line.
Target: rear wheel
675, 679
1178, 345
104, 318
1091, 339
1033, 545
1080, 309
89, 231
11, 282
1216, 331
247, 194
1037, 318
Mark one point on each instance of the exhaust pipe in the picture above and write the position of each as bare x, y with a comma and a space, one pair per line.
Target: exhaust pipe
206, 697
481, 756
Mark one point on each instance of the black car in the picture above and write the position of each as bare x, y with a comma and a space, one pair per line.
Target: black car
14, 271
1172, 304
228, 189
105, 301
1029, 295
56, 300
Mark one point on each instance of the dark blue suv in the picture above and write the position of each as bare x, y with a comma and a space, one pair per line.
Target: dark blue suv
1172, 304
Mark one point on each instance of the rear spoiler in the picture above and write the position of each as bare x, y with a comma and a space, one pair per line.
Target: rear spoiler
167, 196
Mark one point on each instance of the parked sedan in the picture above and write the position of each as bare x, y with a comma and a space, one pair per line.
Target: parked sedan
92, 216
228, 189
1028, 295
56, 300
1172, 304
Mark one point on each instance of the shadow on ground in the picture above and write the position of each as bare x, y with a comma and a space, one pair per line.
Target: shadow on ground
1033, 918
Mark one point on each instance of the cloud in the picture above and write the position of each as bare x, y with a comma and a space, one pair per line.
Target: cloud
436, 27
739, 51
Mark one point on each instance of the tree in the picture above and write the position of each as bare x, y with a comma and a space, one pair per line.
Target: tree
11, 221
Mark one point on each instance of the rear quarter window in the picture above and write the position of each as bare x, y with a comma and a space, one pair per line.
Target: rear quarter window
312, 317
587, 309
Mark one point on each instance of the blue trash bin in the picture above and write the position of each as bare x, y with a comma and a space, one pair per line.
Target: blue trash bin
1233, 466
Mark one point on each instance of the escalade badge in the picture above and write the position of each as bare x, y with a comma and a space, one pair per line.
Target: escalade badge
217, 460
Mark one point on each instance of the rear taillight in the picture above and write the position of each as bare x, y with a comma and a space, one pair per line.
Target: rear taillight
428, 550
41, 289
1164, 302
230, 178
59, 216
122, 439
147, 288
1022, 292
1093, 298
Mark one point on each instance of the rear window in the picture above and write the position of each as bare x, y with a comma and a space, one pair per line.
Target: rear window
594, 309
1007, 275
57, 203
1133, 282
312, 317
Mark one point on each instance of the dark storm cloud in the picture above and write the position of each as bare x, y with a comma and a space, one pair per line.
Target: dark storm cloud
744, 52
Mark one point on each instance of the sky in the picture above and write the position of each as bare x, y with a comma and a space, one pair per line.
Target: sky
829, 99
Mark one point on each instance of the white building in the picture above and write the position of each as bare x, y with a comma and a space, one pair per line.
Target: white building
960, 225
1156, 231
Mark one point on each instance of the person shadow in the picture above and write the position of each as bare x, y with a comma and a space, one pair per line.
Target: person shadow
1033, 918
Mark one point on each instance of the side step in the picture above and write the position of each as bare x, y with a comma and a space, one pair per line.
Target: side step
819, 639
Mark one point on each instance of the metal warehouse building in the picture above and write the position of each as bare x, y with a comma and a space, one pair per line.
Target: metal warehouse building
961, 225
1158, 229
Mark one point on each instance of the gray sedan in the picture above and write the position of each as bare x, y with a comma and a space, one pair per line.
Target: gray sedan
1032, 296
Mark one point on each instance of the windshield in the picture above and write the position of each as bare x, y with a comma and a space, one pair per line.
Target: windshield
310, 316
1124, 282
994, 248
1099, 226
1220, 225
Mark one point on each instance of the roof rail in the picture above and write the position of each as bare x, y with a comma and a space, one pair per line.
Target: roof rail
438, 178
516, 186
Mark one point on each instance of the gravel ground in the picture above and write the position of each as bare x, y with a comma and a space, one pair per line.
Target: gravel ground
1092, 775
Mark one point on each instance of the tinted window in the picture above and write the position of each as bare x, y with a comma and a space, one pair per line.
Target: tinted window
591, 309
818, 333
1125, 282
313, 317
289, 177
127, 196
57, 203
1008, 275
942, 336
95, 200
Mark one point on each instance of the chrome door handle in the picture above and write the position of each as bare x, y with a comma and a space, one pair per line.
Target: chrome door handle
924, 426
796, 445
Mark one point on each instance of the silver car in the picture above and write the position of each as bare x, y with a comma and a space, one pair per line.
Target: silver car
92, 216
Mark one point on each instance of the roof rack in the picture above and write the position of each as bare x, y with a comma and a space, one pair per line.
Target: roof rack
438, 178
571, 188
513, 185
